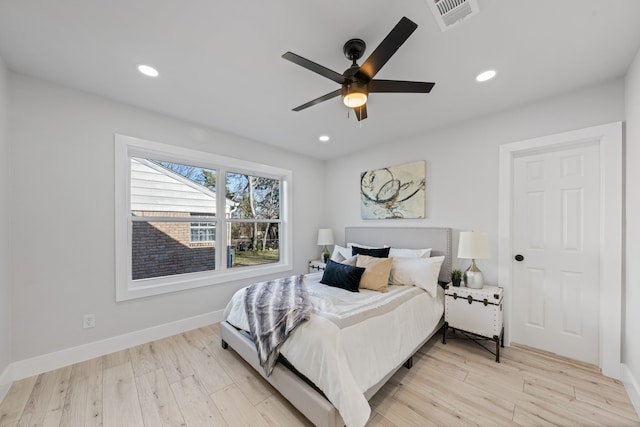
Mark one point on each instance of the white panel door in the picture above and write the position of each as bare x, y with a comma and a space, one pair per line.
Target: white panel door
556, 220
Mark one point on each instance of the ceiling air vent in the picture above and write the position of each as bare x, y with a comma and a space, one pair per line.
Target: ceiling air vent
450, 12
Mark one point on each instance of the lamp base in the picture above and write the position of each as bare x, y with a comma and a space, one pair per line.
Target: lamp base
473, 277
324, 256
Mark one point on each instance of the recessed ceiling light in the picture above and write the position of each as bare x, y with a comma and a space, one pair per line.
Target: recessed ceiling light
486, 75
148, 70
324, 138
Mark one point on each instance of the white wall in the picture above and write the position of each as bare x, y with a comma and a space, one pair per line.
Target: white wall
631, 292
462, 164
62, 164
5, 288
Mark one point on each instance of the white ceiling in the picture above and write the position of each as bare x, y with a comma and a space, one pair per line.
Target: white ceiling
220, 60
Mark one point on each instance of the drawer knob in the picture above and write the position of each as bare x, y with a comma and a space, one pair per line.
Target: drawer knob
519, 258
470, 299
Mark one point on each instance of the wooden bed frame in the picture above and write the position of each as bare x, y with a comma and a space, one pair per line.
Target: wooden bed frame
296, 390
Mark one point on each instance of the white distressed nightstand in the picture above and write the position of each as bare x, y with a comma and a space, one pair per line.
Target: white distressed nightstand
316, 265
476, 311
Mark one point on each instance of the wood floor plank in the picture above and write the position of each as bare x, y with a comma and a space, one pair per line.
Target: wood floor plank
236, 408
15, 401
607, 402
45, 397
278, 412
402, 414
56, 403
244, 376
208, 370
116, 358
460, 396
144, 359
83, 400
172, 359
378, 420
158, 405
121, 404
196, 406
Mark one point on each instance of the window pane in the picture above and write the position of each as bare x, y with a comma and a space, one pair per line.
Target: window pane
163, 188
254, 196
253, 244
202, 231
162, 249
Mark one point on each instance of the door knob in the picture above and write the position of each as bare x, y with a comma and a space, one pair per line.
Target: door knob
519, 258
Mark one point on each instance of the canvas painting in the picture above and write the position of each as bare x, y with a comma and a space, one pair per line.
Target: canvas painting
394, 192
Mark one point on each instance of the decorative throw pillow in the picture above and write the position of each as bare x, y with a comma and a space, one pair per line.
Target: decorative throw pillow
376, 274
421, 272
374, 252
340, 253
410, 253
342, 276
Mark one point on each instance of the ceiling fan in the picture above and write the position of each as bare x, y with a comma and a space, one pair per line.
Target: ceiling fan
358, 81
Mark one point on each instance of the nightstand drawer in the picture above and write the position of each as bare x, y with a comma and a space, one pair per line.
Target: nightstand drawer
478, 311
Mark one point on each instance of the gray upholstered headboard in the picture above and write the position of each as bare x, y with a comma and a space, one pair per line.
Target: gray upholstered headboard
437, 238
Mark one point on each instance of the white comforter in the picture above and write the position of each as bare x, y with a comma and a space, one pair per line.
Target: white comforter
353, 340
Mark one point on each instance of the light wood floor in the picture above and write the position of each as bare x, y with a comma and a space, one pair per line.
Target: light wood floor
188, 380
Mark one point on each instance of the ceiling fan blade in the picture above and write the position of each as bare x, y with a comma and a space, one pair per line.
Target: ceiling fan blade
319, 100
312, 66
387, 48
361, 112
399, 86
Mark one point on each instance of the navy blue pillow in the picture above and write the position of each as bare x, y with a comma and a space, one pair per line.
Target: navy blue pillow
374, 252
342, 276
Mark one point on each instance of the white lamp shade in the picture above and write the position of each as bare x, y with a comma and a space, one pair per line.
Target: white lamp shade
474, 244
325, 237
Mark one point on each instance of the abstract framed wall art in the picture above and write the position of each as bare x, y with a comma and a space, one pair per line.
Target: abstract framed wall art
394, 192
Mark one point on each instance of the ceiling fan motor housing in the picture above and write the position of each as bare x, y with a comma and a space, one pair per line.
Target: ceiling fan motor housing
353, 49
354, 87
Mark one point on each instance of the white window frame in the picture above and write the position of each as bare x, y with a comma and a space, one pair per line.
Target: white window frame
126, 288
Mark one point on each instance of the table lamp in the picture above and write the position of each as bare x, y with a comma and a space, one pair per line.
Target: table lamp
473, 245
325, 237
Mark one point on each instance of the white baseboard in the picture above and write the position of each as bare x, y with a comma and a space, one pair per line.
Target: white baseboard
6, 379
633, 387
48, 362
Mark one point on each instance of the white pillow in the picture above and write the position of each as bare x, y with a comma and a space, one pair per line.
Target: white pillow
340, 253
409, 253
421, 272
352, 260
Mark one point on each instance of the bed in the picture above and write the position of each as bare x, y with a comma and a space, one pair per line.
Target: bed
327, 360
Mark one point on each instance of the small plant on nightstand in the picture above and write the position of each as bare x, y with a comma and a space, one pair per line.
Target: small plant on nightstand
456, 277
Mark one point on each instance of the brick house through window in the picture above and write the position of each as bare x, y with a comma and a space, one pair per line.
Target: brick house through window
180, 234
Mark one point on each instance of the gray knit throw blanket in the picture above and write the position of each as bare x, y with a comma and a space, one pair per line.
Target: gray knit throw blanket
274, 309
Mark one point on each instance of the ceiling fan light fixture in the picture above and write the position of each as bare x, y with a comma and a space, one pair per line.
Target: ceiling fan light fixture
355, 99
354, 94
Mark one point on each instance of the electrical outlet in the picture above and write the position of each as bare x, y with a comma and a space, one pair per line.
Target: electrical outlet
89, 321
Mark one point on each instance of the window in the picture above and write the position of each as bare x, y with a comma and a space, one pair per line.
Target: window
202, 231
174, 233
254, 224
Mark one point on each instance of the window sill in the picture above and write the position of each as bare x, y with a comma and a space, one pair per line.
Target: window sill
151, 287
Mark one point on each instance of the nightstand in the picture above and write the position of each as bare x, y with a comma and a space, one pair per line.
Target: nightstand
316, 265
477, 312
